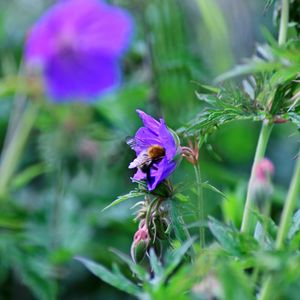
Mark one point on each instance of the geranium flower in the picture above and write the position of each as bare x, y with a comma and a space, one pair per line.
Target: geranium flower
76, 46
156, 149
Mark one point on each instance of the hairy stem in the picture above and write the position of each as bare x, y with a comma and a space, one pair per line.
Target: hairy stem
200, 203
259, 154
285, 221
11, 154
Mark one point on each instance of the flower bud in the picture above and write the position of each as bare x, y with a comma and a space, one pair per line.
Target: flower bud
263, 170
262, 186
140, 244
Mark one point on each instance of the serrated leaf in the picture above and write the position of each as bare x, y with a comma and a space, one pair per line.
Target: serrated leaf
113, 278
120, 199
231, 104
225, 235
232, 240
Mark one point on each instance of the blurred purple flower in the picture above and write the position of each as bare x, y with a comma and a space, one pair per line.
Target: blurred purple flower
76, 45
156, 149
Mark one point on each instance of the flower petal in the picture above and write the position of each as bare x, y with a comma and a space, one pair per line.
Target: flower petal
81, 76
158, 172
168, 140
106, 28
144, 138
149, 122
139, 175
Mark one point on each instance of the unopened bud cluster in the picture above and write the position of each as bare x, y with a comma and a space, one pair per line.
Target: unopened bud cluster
154, 226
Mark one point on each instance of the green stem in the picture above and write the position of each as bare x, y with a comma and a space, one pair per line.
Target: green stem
259, 154
11, 154
200, 205
289, 206
295, 184
284, 20
285, 221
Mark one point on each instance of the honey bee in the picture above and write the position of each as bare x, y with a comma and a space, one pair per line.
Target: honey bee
145, 159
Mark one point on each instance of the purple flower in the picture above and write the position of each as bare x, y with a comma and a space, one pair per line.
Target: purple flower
156, 149
77, 45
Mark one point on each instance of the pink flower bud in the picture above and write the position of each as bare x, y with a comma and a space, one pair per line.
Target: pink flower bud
263, 170
140, 244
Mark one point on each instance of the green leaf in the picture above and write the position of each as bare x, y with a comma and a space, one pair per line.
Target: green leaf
139, 271
11, 222
174, 258
235, 282
210, 187
113, 278
179, 227
295, 227
156, 266
27, 175
295, 118
133, 194
261, 235
225, 235
230, 104
208, 98
32, 271
251, 68
268, 5
269, 226
181, 197
204, 88
232, 240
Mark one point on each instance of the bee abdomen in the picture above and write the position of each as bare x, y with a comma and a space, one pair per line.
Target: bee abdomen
156, 152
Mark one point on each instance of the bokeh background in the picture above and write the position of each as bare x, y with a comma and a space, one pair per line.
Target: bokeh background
76, 160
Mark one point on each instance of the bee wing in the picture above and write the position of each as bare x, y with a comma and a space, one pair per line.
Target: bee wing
143, 160
132, 142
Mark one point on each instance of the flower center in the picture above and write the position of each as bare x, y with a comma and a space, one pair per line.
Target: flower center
156, 152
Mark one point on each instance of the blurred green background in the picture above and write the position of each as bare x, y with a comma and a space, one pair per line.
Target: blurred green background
76, 160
